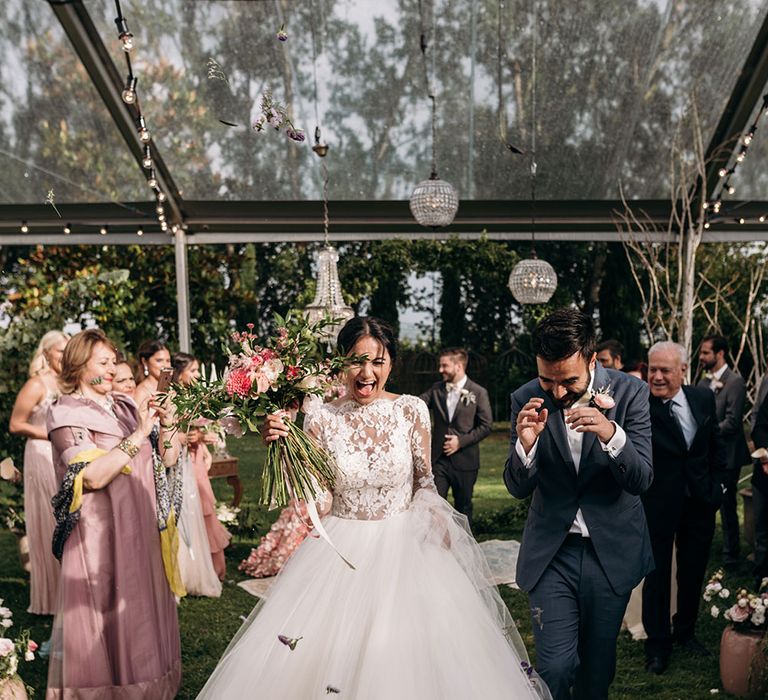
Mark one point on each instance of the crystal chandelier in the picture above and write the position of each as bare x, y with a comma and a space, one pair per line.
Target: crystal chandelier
533, 281
329, 301
434, 202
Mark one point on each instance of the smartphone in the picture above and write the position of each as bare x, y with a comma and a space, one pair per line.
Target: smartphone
164, 382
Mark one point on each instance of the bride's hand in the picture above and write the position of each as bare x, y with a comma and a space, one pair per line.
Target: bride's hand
273, 428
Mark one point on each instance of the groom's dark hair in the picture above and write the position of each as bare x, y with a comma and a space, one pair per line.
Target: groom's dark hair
563, 333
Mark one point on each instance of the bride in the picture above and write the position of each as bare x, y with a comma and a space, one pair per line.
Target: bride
418, 616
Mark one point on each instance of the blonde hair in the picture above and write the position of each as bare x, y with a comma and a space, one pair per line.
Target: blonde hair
76, 355
39, 362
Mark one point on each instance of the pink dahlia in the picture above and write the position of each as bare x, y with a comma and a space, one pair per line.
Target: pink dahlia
239, 382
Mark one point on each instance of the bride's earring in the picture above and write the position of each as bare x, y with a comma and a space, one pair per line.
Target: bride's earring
146, 371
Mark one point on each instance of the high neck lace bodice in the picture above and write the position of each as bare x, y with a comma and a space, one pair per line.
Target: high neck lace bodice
381, 452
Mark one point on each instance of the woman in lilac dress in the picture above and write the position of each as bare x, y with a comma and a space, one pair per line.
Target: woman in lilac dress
28, 419
116, 632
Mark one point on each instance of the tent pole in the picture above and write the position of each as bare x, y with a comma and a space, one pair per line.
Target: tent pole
182, 290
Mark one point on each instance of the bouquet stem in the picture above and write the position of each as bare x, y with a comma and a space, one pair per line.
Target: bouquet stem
295, 467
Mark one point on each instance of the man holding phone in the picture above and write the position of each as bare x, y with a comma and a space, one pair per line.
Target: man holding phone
462, 417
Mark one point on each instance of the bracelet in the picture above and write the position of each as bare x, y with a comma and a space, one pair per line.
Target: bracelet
128, 447
170, 426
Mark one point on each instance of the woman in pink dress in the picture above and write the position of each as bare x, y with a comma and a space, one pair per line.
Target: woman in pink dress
28, 419
187, 370
116, 632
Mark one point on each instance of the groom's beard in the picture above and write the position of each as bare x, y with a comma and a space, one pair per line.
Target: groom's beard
570, 398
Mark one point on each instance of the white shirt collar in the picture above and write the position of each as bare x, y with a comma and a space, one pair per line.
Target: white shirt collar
459, 385
719, 374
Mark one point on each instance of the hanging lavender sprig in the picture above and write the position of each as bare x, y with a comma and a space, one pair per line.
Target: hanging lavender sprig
275, 115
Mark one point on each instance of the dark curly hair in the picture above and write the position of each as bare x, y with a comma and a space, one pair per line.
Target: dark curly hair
563, 333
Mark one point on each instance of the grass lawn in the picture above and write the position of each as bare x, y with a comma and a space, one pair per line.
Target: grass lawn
208, 624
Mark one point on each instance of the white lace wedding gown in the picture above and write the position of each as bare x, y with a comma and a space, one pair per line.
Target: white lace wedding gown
417, 618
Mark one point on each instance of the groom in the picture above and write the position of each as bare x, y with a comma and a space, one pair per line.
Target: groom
581, 446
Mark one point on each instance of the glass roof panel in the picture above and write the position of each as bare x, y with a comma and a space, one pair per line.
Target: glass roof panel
612, 78
56, 135
751, 179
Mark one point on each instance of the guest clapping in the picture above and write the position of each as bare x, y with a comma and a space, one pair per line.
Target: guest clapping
28, 419
116, 631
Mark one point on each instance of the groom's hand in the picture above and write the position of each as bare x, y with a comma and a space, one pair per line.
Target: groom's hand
586, 419
530, 422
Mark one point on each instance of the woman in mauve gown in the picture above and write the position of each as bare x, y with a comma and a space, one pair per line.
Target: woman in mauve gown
28, 419
116, 632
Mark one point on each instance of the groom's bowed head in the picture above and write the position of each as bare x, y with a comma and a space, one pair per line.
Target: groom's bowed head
564, 344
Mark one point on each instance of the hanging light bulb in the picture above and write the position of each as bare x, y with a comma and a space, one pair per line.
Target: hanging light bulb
129, 92
104, 230
24, 227
722, 172
146, 161
161, 196
163, 226
144, 135
175, 228
161, 218
140, 232
126, 38
152, 180
762, 218
67, 229
159, 209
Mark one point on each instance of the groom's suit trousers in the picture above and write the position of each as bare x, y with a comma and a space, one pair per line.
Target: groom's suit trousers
576, 619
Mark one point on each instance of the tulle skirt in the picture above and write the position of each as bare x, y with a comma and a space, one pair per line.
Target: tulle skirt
195, 561
417, 618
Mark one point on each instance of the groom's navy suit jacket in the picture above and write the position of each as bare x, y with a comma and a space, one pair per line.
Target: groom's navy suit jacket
606, 489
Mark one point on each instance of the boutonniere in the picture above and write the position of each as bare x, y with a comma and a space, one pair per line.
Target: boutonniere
602, 399
714, 384
467, 397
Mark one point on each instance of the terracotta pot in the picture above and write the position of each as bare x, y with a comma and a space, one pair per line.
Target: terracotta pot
13, 689
742, 662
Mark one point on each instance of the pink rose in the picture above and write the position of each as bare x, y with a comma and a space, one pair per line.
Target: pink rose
31, 645
738, 614
261, 381
603, 401
6, 647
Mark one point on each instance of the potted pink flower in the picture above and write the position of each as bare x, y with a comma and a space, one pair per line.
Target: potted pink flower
12, 653
743, 647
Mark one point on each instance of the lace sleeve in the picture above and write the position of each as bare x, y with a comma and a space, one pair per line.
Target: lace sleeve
313, 427
421, 434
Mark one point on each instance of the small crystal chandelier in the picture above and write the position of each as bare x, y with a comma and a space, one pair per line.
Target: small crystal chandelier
329, 300
434, 202
533, 281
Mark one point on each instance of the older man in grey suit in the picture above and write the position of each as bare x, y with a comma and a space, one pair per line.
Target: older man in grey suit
581, 446
730, 398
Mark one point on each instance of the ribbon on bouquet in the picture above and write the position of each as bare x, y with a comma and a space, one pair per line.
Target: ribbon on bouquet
314, 516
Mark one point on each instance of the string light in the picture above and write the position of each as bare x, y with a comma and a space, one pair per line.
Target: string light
144, 136
67, 229
126, 38
24, 227
147, 160
140, 232
161, 196
725, 174
152, 180
129, 93
104, 230
159, 209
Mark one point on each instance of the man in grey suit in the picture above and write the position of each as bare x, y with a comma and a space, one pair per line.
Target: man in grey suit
730, 398
581, 446
461, 413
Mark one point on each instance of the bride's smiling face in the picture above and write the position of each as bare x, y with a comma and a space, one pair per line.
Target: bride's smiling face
365, 381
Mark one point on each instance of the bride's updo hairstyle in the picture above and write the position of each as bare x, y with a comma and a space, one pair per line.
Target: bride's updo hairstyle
362, 326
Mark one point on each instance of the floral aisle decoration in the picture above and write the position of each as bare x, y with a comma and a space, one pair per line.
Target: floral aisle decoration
273, 377
12, 653
743, 646
227, 515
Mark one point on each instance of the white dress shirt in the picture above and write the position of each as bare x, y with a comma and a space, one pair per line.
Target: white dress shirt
681, 410
575, 441
453, 394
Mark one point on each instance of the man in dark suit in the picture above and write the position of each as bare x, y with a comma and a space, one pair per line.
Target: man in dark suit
688, 468
461, 412
581, 446
730, 397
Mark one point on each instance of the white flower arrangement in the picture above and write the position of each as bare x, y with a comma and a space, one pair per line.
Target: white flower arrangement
226, 514
750, 609
12, 651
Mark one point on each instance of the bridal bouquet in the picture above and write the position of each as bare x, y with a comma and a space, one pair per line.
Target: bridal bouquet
269, 378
